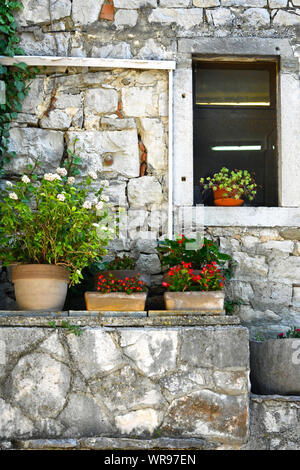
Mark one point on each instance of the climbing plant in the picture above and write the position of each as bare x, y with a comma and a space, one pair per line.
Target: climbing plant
16, 78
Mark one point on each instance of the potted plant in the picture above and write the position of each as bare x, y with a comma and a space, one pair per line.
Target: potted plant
113, 294
53, 227
229, 187
189, 291
119, 268
191, 250
275, 364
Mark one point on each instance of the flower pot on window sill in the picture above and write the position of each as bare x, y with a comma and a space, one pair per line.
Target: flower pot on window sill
222, 198
211, 302
40, 287
275, 366
115, 301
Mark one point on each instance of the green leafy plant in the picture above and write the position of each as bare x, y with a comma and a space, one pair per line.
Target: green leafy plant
230, 304
75, 329
236, 183
52, 219
292, 333
173, 252
128, 285
16, 78
120, 262
182, 278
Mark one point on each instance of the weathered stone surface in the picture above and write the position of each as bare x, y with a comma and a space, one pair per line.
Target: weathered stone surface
249, 267
256, 17
37, 11
82, 416
154, 139
270, 295
126, 18
39, 385
84, 13
2, 92
95, 353
215, 416
120, 50
206, 3
153, 352
278, 3
13, 422
282, 246
68, 100
215, 347
143, 191
95, 145
184, 18
140, 101
290, 233
33, 144
142, 422
56, 119
149, 263
233, 383
134, 4
220, 17
258, 317
285, 270
284, 18
126, 390
174, 3
243, 3
100, 101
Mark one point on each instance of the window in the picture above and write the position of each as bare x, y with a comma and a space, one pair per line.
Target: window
235, 124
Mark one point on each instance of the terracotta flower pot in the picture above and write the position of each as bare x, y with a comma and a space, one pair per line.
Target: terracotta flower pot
222, 200
40, 287
115, 301
211, 302
275, 366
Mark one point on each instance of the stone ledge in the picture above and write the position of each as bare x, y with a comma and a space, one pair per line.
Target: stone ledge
275, 398
109, 443
27, 319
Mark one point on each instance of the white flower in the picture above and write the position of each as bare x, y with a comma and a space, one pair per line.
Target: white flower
92, 174
105, 198
51, 176
95, 225
25, 179
61, 171
71, 180
61, 197
13, 196
99, 205
87, 205
78, 271
105, 183
8, 183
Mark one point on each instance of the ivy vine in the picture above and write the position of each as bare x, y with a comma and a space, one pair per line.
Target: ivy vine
16, 77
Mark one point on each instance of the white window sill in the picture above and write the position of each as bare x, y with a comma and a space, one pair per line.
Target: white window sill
248, 216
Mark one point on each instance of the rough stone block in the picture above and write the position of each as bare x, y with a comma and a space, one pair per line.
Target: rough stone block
186, 19
126, 18
143, 191
285, 18
256, 17
222, 348
140, 101
149, 263
87, 12
100, 101
249, 267
31, 144
56, 119
220, 17
37, 11
134, 4
121, 145
154, 139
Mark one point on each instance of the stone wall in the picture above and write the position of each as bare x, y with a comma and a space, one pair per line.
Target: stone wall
143, 383
266, 277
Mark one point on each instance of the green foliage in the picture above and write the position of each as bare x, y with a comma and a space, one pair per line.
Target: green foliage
16, 78
75, 329
292, 333
120, 262
236, 183
53, 220
173, 252
230, 304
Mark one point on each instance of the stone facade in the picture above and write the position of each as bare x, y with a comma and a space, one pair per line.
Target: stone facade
128, 382
121, 113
